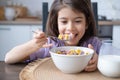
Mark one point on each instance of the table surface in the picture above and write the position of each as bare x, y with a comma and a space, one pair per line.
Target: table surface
10, 72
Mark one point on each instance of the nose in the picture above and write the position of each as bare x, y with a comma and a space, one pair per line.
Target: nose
70, 26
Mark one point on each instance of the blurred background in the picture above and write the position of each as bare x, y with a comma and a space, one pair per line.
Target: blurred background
19, 17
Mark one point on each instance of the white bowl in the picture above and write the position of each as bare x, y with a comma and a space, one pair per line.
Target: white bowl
71, 63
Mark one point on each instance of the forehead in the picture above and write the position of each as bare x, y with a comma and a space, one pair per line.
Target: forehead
68, 12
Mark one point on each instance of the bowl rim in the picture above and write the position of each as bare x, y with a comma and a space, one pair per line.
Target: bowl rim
92, 51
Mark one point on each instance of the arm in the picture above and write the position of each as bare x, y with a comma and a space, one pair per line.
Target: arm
22, 52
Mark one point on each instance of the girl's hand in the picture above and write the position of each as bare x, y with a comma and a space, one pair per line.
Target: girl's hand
40, 39
92, 65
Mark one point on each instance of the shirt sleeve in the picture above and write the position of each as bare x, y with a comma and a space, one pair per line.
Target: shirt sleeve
44, 52
96, 43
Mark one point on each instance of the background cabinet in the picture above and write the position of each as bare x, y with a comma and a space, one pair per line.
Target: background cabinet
13, 35
105, 31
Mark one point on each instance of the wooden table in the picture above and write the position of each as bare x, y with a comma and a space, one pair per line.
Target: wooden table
45, 70
10, 72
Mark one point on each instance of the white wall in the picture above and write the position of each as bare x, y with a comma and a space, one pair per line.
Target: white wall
109, 8
105, 7
34, 6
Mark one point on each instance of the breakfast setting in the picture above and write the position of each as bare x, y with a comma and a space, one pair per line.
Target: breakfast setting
59, 40
71, 66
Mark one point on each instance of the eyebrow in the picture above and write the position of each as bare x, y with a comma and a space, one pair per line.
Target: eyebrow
75, 18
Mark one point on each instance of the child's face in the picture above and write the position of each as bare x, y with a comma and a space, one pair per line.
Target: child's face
70, 22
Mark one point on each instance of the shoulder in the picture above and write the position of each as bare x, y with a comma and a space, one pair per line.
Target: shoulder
95, 42
92, 40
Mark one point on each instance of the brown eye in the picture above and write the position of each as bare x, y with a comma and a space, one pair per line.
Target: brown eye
78, 21
63, 22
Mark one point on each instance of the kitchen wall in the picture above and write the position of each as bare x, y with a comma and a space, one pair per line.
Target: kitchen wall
108, 8
34, 6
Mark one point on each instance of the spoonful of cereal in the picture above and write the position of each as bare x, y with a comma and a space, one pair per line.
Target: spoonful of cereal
65, 37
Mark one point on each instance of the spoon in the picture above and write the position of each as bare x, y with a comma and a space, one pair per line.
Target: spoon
63, 37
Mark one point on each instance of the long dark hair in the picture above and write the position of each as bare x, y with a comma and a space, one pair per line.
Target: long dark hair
83, 6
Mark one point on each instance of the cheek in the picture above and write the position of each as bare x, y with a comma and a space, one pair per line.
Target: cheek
60, 29
81, 31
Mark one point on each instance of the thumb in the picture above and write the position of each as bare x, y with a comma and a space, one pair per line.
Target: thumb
94, 57
90, 46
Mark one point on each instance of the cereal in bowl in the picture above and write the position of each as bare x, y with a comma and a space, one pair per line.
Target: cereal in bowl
72, 52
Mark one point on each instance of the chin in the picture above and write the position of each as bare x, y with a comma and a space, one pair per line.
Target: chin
71, 43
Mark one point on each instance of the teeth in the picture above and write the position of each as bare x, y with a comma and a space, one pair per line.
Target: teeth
64, 37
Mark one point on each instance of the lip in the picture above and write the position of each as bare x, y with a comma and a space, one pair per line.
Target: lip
74, 35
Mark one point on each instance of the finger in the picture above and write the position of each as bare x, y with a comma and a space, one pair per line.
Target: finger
93, 59
47, 45
39, 34
91, 67
40, 45
90, 46
37, 41
41, 40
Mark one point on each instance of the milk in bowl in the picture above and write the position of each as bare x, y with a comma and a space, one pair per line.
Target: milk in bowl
109, 60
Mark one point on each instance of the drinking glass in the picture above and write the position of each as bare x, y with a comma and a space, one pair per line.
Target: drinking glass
109, 59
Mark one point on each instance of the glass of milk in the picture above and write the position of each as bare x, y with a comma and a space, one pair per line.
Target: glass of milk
109, 59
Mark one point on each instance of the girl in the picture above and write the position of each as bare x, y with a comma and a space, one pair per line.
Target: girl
73, 17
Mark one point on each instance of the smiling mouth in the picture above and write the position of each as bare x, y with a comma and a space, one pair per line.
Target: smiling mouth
76, 35
73, 36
